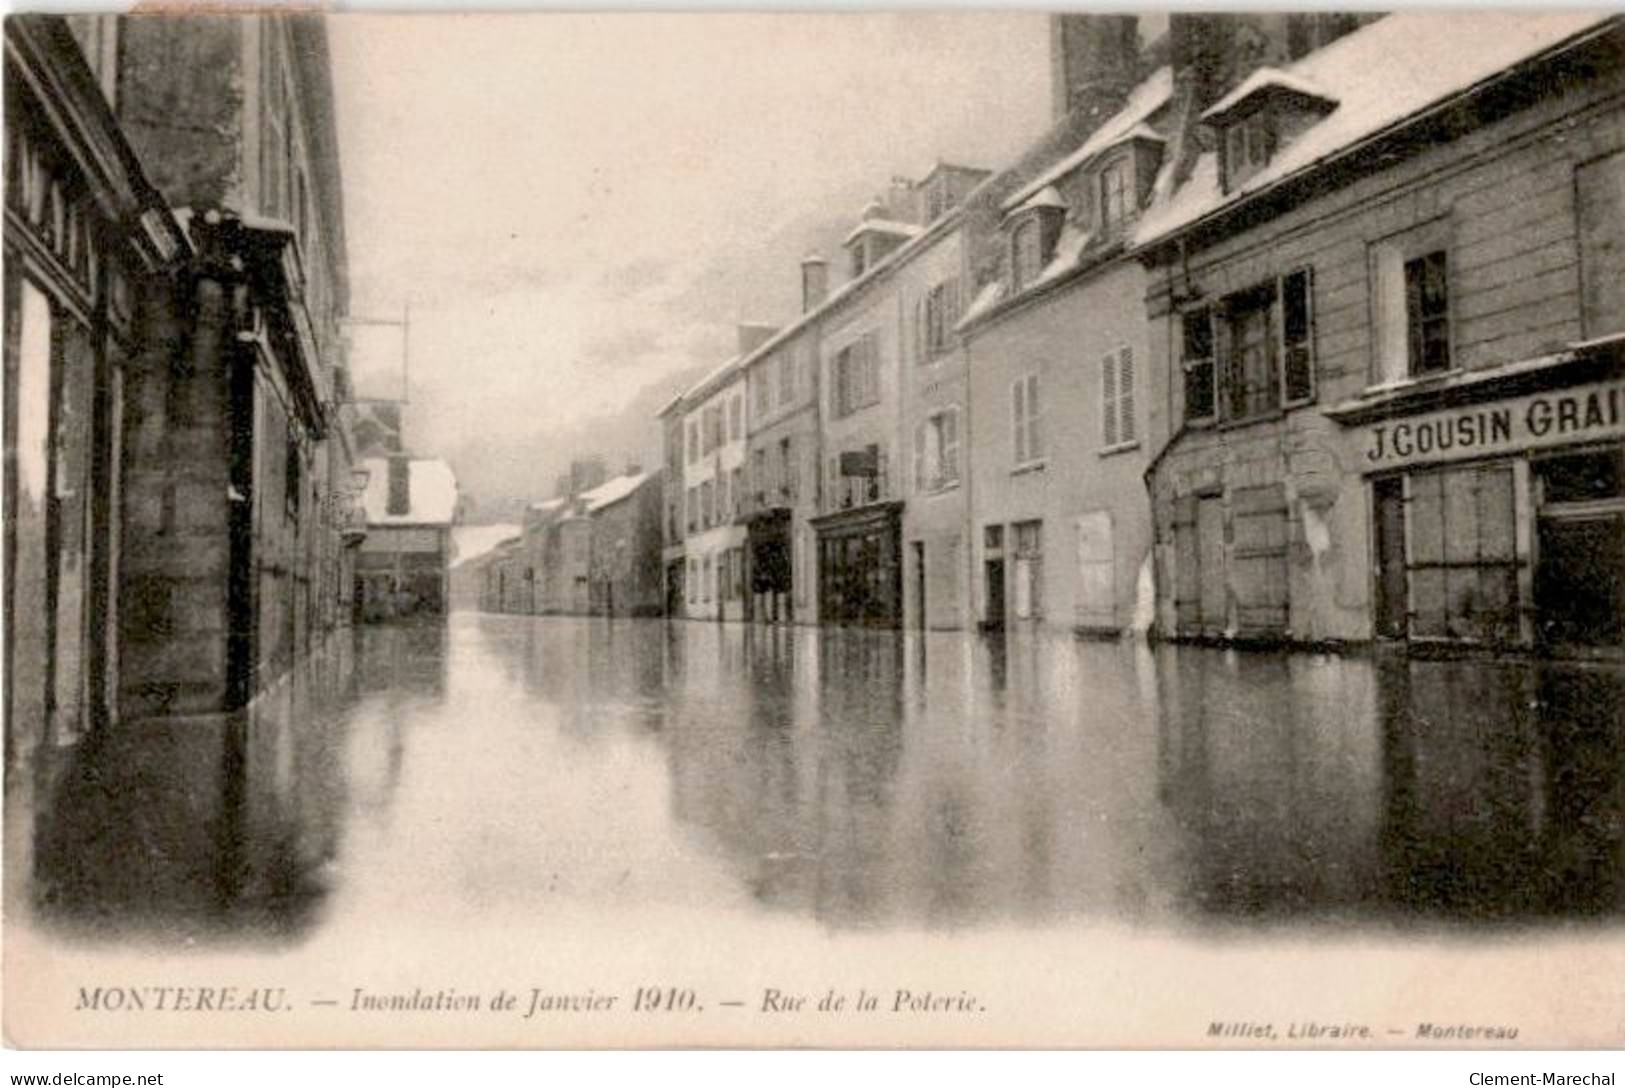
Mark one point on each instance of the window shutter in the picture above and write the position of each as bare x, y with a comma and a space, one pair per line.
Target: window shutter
1035, 420
950, 445
1125, 395
1018, 417
1108, 399
1298, 336
920, 482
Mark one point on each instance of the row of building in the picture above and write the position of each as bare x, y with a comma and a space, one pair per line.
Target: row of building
592, 549
187, 480
1299, 328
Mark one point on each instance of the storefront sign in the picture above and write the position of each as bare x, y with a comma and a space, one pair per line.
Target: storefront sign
1582, 414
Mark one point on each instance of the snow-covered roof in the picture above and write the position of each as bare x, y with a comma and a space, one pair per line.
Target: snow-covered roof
473, 541
883, 226
704, 384
1262, 79
546, 505
1068, 255
1047, 197
613, 491
431, 493
1379, 75
1146, 99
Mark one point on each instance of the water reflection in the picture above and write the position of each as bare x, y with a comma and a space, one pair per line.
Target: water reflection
504, 766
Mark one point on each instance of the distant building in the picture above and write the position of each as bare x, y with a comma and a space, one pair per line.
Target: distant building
472, 547
624, 565
673, 502
403, 570
713, 483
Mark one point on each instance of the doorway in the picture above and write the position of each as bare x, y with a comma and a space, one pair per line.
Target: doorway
1393, 607
995, 595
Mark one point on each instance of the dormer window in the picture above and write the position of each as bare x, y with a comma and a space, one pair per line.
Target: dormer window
1249, 144
1035, 227
1026, 252
1261, 117
1115, 195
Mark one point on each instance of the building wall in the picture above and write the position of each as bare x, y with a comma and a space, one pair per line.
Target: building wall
794, 417
713, 551
626, 574
1089, 496
1503, 198
934, 519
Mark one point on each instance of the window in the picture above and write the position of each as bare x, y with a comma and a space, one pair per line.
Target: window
1251, 354
708, 505
856, 377
292, 478
760, 483
736, 417
1247, 359
1114, 195
787, 378
1427, 313
761, 391
936, 451
1599, 188
1410, 302
1027, 418
737, 490
1117, 396
693, 441
1197, 362
1026, 253
939, 313
787, 469
1249, 145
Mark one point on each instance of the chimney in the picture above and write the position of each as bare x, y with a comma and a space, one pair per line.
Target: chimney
753, 336
814, 282
399, 502
1094, 63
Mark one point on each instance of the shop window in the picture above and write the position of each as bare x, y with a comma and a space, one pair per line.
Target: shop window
1580, 578
1410, 285
1462, 558
1117, 396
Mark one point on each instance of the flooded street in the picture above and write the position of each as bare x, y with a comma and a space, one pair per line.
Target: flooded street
504, 767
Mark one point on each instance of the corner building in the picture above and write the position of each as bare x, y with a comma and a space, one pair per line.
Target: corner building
1390, 321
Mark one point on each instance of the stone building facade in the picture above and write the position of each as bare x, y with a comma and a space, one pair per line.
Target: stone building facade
183, 175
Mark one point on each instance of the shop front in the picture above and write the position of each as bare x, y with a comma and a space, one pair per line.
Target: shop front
769, 552
860, 579
1498, 505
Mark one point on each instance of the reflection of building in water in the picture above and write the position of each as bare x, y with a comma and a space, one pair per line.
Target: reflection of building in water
404, 566
1515, 808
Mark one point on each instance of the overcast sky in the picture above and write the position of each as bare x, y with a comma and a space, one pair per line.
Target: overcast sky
578, 207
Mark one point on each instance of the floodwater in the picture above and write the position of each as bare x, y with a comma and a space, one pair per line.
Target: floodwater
847, 779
